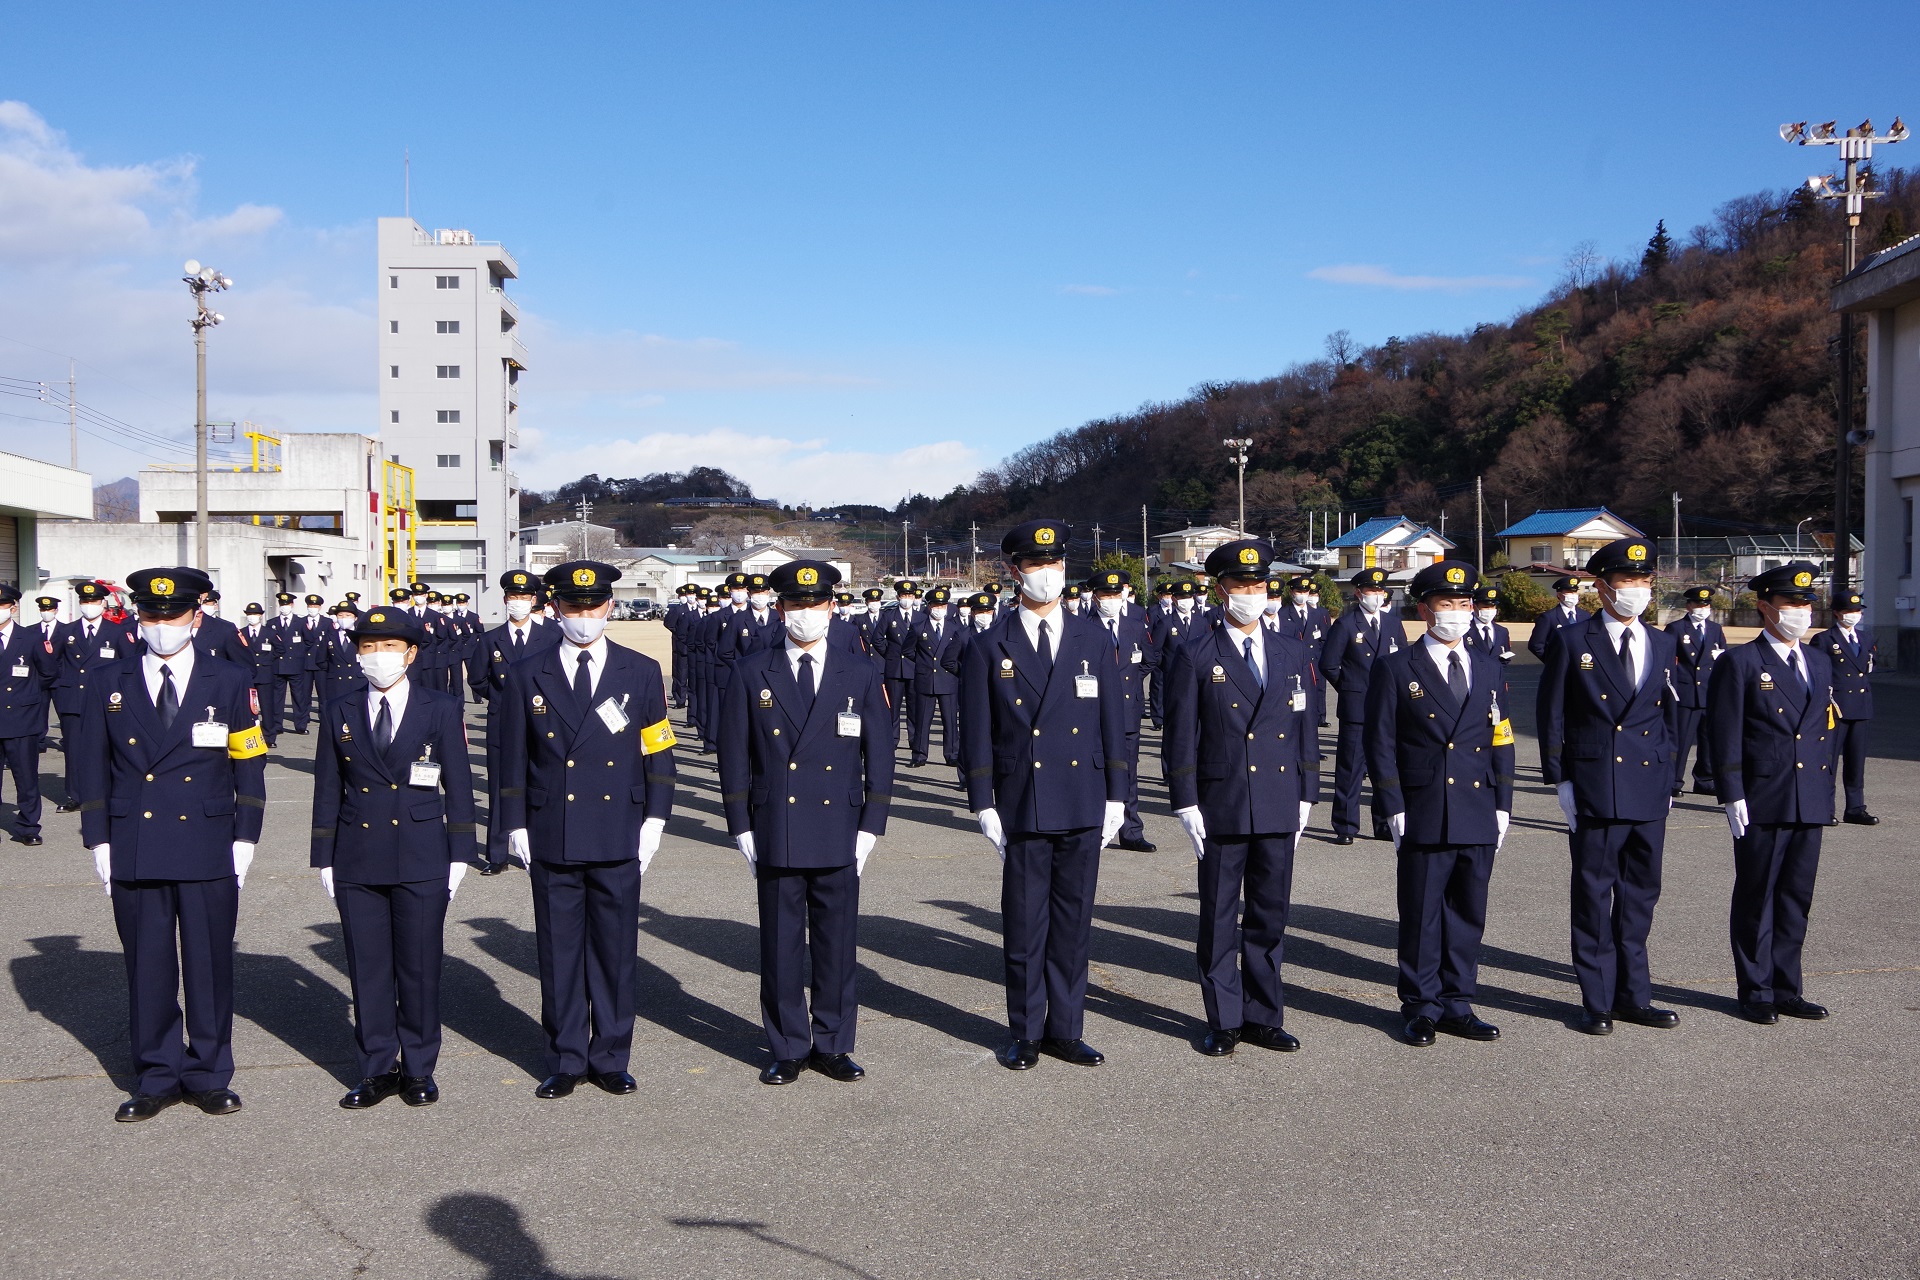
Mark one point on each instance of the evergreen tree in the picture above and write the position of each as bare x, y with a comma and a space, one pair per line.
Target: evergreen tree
1659, 250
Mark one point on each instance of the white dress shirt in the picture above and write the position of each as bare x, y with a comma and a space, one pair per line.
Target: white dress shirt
181, 667
1031, 619
1789, 654
396, 699
1636, 652
819, 654
1440, 652
1258, 636
520, 633
596, 660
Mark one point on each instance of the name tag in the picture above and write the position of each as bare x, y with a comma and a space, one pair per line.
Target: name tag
424, 773
106, 651
1086, 686
209, 733
1715, 653
847, 724
611, 715
1137, 655
1299, 699
20, 668
266, 648
296, 639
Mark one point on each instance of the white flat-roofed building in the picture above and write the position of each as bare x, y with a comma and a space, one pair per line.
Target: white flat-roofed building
32, 491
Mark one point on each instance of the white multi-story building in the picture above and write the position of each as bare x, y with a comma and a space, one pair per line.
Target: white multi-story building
450, 364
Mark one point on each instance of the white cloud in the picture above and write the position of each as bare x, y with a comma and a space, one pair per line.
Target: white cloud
627, 363
1090, 290
1381, 277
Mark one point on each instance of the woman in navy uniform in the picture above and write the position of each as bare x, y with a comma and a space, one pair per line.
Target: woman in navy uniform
806, 776
1440, 748
339, 666
523, 634
1243, 767
82, 647
1565, 613
263, 657
289, 667
1604, 745
1771, 717
28, 668
1850, 653
1044, 747
1358, 639
1126, 630
932, 632
1698, 643
393, 831
1169, 630
171, 770
215, 637
586, 787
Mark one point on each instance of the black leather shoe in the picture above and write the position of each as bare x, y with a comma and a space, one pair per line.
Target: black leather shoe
1704, 788
1759, 1011
215, 1102
614, 1082
1220, 1041
419, 1091
1594, 1024
1021, 1055
1077, 1052
558, 1085
1649, 1017
1858, 817
1382, 833
1678, 792
1275, 1038
1468, 1027
492, 868
372, 1091
1795, 1007
916, 764
836, 1066
1343, 839
67, 806
1136, 846
782, 1071
144, 1106
1420, 1031
298, 733
30, 841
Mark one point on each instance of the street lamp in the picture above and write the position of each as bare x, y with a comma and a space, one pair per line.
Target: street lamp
1239, 450
201, 281
1855, 146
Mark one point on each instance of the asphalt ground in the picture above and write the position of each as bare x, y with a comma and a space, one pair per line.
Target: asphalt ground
1715, 1149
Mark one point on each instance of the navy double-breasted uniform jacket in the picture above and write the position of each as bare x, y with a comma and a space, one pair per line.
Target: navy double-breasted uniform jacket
579, 788
487, 672
339, 664
1045, 758
218, 638
1772, 735
1551, 621
290, 645
789, 775
1168, 630
1852, 663
1446, 766
924, 653
28, 668
80, 658
171, 810
1693, 659
1241, 752
1136, 655
1308, 625
1350, 652
370, 823
1599, 732
263, 655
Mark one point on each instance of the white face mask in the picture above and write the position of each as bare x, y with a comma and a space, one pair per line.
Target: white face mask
983, 620
1632, 601
313, 611
519, 610
581, 630
1449, 625
807, 625
1701, 614
737, 594
1273, 606
92, 612
1486, 615
1372, 601
873, 608
1246, 606
211, 609
1044, 585
166, 638
285, 611
1570, 598
1183, 605
1794, 621
1110, 606
1849, 620
1313, 602
383, 669
1302, 601
49, 615
419, 601
6, 615
760, 599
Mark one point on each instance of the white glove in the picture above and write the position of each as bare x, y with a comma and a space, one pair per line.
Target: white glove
1306, 813
456, 872
863, 843
1568, 808
1500, 820
744, 843
519, 847
103, 866
989, 820
1196, 829
1737, 818
1397, 827
1116, 814
650, 833
242, 859
326, 880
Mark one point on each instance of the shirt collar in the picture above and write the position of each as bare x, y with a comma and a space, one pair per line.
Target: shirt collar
179, 664
396, 699
1783, 650
818, 652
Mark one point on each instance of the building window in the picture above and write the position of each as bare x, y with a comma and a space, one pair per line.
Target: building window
393, 282
496, 451
446, 371
446, 326
447, 460
393, 371
1540, 553
446, 415
393, 415
446, 282
393, 326
466, 510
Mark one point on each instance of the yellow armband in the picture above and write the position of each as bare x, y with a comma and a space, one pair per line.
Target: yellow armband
246, 744
1503, 734
656, 737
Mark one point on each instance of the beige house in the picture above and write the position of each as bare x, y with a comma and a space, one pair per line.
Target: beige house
1559, 540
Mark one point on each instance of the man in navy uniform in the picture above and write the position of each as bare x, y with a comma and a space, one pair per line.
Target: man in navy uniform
393, 830
82, 647
1243, 768
290, 645
1486, 634
1358, 639
1698, 643
1440, 747
1850, 653
524, 634
313, 626
1771, 717
1168, 631
1044, 747
929, 636
1302, 618
806, 776
28, 668
1604, 746
896, 631
716, 673
674, 619
339, 667
867, 618
751, 627
1565, 613
1126, 630
263, 653
171, 770
586, 786
215, 637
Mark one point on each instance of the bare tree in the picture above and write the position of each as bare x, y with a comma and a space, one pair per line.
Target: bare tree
1341, 348
1583, 263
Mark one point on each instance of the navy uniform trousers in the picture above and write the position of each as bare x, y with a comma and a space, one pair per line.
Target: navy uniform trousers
1615, 885
1442, 892
1850, 760
808, 914
1349, 770
393, 936
586, 916
1240, 954
1774, 866
178, 935
23, 762
1689, 728
1046, 904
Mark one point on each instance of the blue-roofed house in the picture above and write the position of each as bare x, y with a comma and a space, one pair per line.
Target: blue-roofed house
1397, 544
1555, 541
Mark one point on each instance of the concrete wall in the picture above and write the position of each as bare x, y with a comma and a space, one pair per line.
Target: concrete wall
248, 562
29, 490
1888, 577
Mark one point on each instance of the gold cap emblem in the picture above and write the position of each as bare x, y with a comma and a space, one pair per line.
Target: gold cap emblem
807, 577
1249, 555
1636, 551
376, 616
1803, 579
583, 577
161, 586
1456, 575
1044, 535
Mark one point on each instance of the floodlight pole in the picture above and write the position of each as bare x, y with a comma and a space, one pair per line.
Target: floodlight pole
1239, 449
201, 282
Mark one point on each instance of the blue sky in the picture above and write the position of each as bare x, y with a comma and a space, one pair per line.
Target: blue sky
853, 250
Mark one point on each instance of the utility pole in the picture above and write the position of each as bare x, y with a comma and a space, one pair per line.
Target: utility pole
1479, 524
906, 554
1855, 146
1239, 448
73, 424
201, 281
1096, 542
927, 539
1143, 546
973, 565
1676, 535
585, 509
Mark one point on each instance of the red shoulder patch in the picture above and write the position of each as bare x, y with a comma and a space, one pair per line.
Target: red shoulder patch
253, 700
242, 637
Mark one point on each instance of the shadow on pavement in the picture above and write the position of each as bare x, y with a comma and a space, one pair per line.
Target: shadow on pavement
84, 993
488, 1229
287, 1000
760, 1231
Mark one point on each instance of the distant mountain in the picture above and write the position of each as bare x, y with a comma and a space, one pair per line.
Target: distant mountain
118, 501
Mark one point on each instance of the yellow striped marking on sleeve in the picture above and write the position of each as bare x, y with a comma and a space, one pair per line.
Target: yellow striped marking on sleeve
246, 744
657, 737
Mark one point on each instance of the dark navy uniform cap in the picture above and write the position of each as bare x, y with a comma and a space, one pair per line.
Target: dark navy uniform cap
211, 593
1486, 594
418, 588
734, 580
1793, 581
756, 582
1566, 584
1243, 557
1164, 587
1369, 579
1622, 555
992, 586
283, 597
344, 607
1037, 539
399, 595
1445, 577
1109, 580
1844, 601
9, 594
90, 592
174, 588
1186, 590
387, 624
1072, 592
254, 607
873, 593
1276, 587
316, 600
462, 598
981, 602
518, 582
803, 581
585, 581
46, 602
1697, 596
1302, 582
905, 587
353, 597
939, 595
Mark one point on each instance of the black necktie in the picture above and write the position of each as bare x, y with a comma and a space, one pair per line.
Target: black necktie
519, 641
583, 680
1457, 677
1626, 653
1793, 665
1113, 629
806, 679
383, 724
169, 704
1247, 650
1046, 646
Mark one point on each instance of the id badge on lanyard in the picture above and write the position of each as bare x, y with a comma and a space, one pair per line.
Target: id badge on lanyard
612, 715
1086, 684
209, 732
425, 771
1299, 699
847, 723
